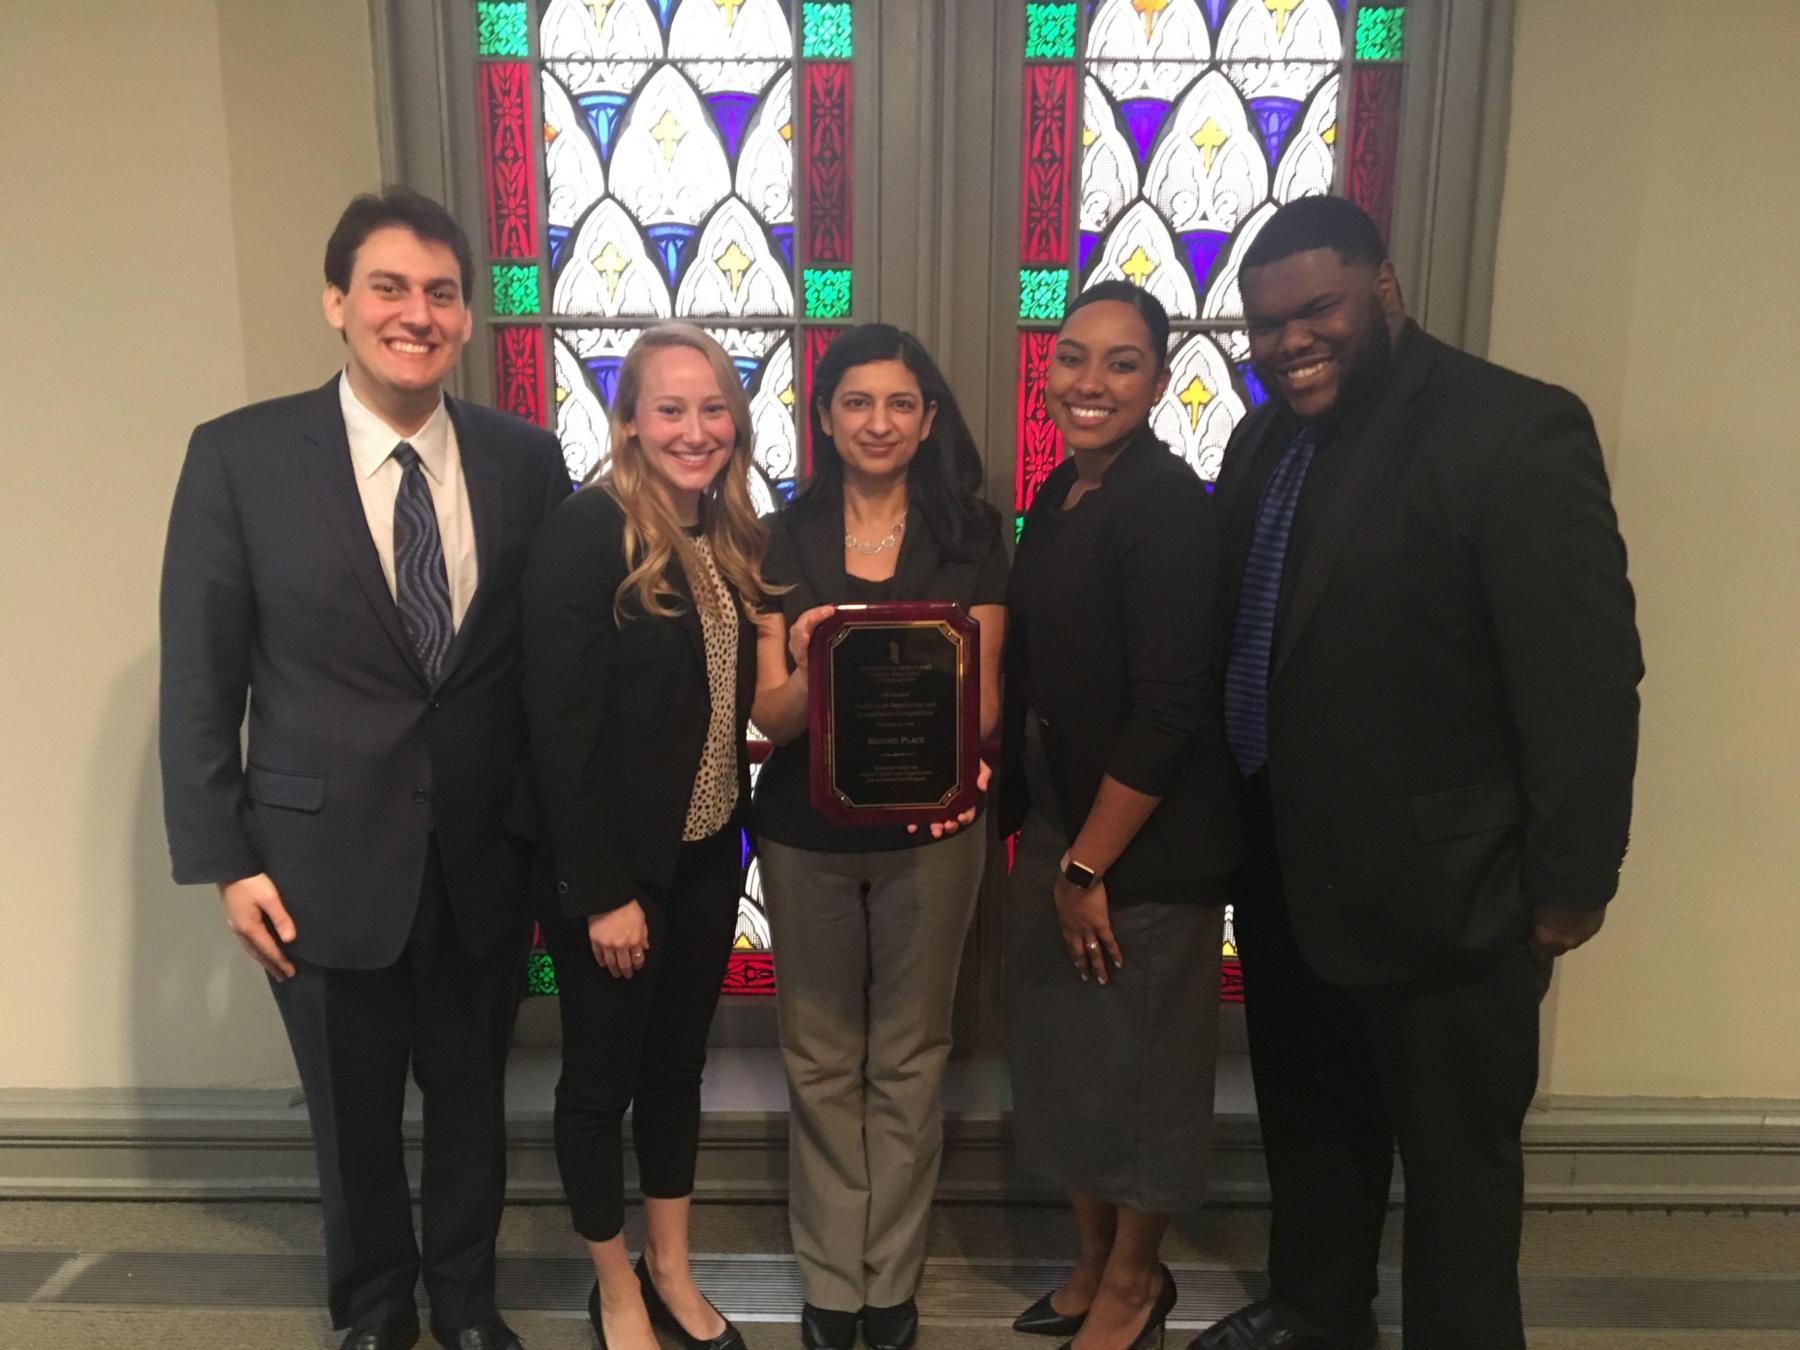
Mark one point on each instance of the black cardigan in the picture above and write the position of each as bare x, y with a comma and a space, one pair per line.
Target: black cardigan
1109, 645
617, 711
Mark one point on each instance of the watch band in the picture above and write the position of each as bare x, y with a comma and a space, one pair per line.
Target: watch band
1078, 875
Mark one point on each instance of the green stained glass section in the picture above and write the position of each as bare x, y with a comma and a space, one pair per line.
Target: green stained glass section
1043, 291
1380, 32
827, 292
500, 28
1018, 527
1050, 32
516, 289
825, 31
540, 975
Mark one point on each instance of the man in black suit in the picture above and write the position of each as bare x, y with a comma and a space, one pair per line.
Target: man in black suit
348, 560
1431, 694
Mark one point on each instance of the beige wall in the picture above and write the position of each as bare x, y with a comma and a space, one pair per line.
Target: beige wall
171, 171
1647, 261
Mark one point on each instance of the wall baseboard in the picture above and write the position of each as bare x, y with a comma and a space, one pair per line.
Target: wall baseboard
256, 1145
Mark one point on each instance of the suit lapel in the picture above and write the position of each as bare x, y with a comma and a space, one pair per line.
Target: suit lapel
818, 536
1372, 453
689, 618
486, 486
333, 479
918, 560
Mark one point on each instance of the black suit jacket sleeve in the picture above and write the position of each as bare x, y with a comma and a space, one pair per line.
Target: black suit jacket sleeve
570, 639
208, 616
1552, 566
1165, 600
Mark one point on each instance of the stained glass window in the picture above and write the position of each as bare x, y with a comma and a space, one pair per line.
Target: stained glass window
655, 159
1158, 136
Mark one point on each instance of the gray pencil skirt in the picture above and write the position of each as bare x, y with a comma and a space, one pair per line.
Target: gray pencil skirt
1112, 1085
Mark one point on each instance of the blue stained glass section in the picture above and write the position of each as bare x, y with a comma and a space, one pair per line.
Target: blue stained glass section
605, 370
1274, 119
1203, 248
746, 369
665, 11
602, 112
784, 240
784, 489
669, 242
1144, 117
732, 112
1088, 243
559, 240
1215, 15
1252, 385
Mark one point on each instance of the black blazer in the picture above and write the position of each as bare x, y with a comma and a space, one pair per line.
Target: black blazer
1109, 643
618, 711
1453, 707
272, 588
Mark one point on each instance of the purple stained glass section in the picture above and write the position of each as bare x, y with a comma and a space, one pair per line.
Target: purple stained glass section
732, 112
1274, 119
1215, 12
1144, 118
1203, 249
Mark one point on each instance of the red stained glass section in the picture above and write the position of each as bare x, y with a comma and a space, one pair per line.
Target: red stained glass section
1374, 140
750, 973
817, 340
506, 162
1231, 981
827, 161
1049, 139
519, 371
1039, 443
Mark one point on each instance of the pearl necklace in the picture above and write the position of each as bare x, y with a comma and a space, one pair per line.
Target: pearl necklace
870, 550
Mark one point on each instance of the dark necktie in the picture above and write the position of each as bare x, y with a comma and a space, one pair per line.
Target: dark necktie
1253, 636
421, 587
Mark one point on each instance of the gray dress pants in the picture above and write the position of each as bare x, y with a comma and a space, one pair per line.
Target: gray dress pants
867, 947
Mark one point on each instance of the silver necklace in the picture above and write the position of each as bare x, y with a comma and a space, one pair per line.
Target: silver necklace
882, 546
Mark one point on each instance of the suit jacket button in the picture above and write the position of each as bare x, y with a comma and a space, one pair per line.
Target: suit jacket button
562, 888
433, 704
421, 795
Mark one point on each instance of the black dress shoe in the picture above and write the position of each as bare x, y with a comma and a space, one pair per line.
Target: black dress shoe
1260, 1326
1041, 1319
385, 1336
490, 1333
827, 1328
1150, 1335
894, 1328
660, 1315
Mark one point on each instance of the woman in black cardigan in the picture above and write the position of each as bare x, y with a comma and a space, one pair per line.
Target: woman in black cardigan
639, 675
1117, 770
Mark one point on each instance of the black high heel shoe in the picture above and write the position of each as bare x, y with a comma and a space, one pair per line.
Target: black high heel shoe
1150, 1335
660, 1315
1042, 1319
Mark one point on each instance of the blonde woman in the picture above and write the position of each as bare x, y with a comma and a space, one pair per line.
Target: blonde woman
639, 676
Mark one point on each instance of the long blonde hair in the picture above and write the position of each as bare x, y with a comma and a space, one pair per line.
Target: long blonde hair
653, 536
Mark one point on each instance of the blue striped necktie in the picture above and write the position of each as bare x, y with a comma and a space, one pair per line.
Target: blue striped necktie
1253, 636
421, 586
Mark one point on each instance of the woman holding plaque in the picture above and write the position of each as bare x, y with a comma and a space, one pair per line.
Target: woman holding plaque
868, 922
639, 674
1114, 742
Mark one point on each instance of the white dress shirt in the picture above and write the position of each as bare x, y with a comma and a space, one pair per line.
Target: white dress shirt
378, 475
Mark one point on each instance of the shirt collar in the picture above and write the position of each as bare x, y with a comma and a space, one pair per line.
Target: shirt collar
372, 440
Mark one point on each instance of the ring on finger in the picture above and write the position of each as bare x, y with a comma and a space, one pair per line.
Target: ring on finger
1092, 945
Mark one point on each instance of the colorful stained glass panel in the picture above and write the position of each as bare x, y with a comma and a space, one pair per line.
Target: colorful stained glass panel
502, 28
1050, 32
826, 32
1380, 32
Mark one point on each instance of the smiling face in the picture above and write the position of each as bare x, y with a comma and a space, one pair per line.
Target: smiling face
876, 418
1320, 326
1104, 376
683, 427
405, 322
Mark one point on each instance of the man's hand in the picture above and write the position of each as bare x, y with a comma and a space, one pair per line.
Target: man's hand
1086, 924
253, 910
619, 938
1555, 931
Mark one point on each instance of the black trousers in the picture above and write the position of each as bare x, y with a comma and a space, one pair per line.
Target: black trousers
1445, 1071
449, 1014
641, 1042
